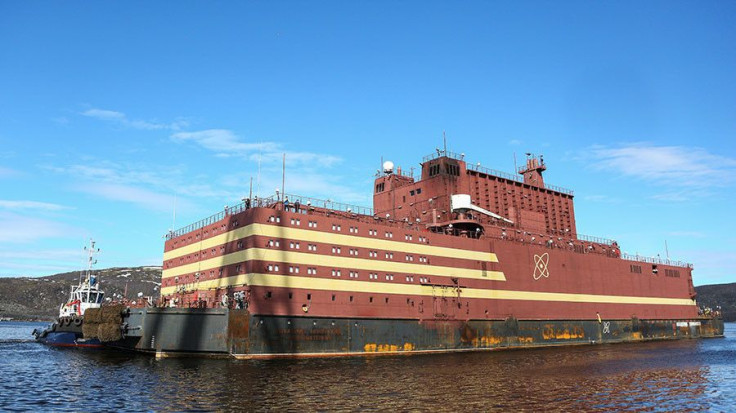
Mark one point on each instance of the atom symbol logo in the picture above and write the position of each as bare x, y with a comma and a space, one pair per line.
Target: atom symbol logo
540, 266
607, 327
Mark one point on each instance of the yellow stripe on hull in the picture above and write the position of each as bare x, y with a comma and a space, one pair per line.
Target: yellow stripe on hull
327, 284
298, 234
341, 262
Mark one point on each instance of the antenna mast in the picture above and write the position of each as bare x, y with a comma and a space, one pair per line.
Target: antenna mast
258, 177
444, 141
91, 252
283, 175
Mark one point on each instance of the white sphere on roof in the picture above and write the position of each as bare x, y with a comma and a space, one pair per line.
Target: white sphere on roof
388, 167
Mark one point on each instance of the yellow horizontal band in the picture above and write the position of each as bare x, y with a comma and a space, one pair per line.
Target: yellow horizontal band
335, 261
298, 234
376, 287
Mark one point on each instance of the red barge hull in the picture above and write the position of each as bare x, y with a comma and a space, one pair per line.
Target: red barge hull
463, 258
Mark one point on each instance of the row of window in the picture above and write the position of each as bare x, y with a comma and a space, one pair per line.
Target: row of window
310, 271
352, 251
636, 269
351, 298
310, 247
450, 169
337, 273
206, 232
196, 277
353, 230
297, 222
312, 224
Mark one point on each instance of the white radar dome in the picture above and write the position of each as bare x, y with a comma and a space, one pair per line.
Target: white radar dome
388, 167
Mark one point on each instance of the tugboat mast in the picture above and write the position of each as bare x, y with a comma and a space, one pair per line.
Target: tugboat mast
91, 252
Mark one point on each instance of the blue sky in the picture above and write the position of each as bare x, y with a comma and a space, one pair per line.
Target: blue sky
111, 113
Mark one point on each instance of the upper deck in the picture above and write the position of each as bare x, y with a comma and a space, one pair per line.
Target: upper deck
494, 172
229, 217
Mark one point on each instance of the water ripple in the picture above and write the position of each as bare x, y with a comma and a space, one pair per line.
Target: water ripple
691, 375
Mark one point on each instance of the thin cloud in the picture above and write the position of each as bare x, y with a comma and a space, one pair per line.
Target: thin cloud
316, 160
314, 185
515, 142
16, 228
131, 194
104, 114
225, 143
31, 205
7, 173
51, 254
681, 195
122, 119
668, 165
37, 262
169, 179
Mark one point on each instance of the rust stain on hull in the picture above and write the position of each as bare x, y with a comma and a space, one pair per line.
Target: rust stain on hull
238, 333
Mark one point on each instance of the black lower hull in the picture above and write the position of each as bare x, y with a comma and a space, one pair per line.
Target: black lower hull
237, 333
63, 333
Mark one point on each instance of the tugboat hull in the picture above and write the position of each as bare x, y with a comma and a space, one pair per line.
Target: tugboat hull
57, 336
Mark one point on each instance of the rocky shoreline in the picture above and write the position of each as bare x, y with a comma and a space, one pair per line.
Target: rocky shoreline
39, 298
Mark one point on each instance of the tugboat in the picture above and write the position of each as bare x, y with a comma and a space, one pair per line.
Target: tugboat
66, 331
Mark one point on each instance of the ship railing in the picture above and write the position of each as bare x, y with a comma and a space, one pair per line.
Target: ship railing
269, 202
328, 204
440, 153
597, 240
515, 178
228, 210
494, 172
656, 260
399, 172
559, 189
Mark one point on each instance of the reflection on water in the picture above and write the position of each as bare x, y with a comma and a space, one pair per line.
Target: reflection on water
666, 376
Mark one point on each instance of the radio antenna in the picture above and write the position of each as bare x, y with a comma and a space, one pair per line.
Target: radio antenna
258, 177
283, 175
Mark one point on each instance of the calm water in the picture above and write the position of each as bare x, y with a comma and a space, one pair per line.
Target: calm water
692, 375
